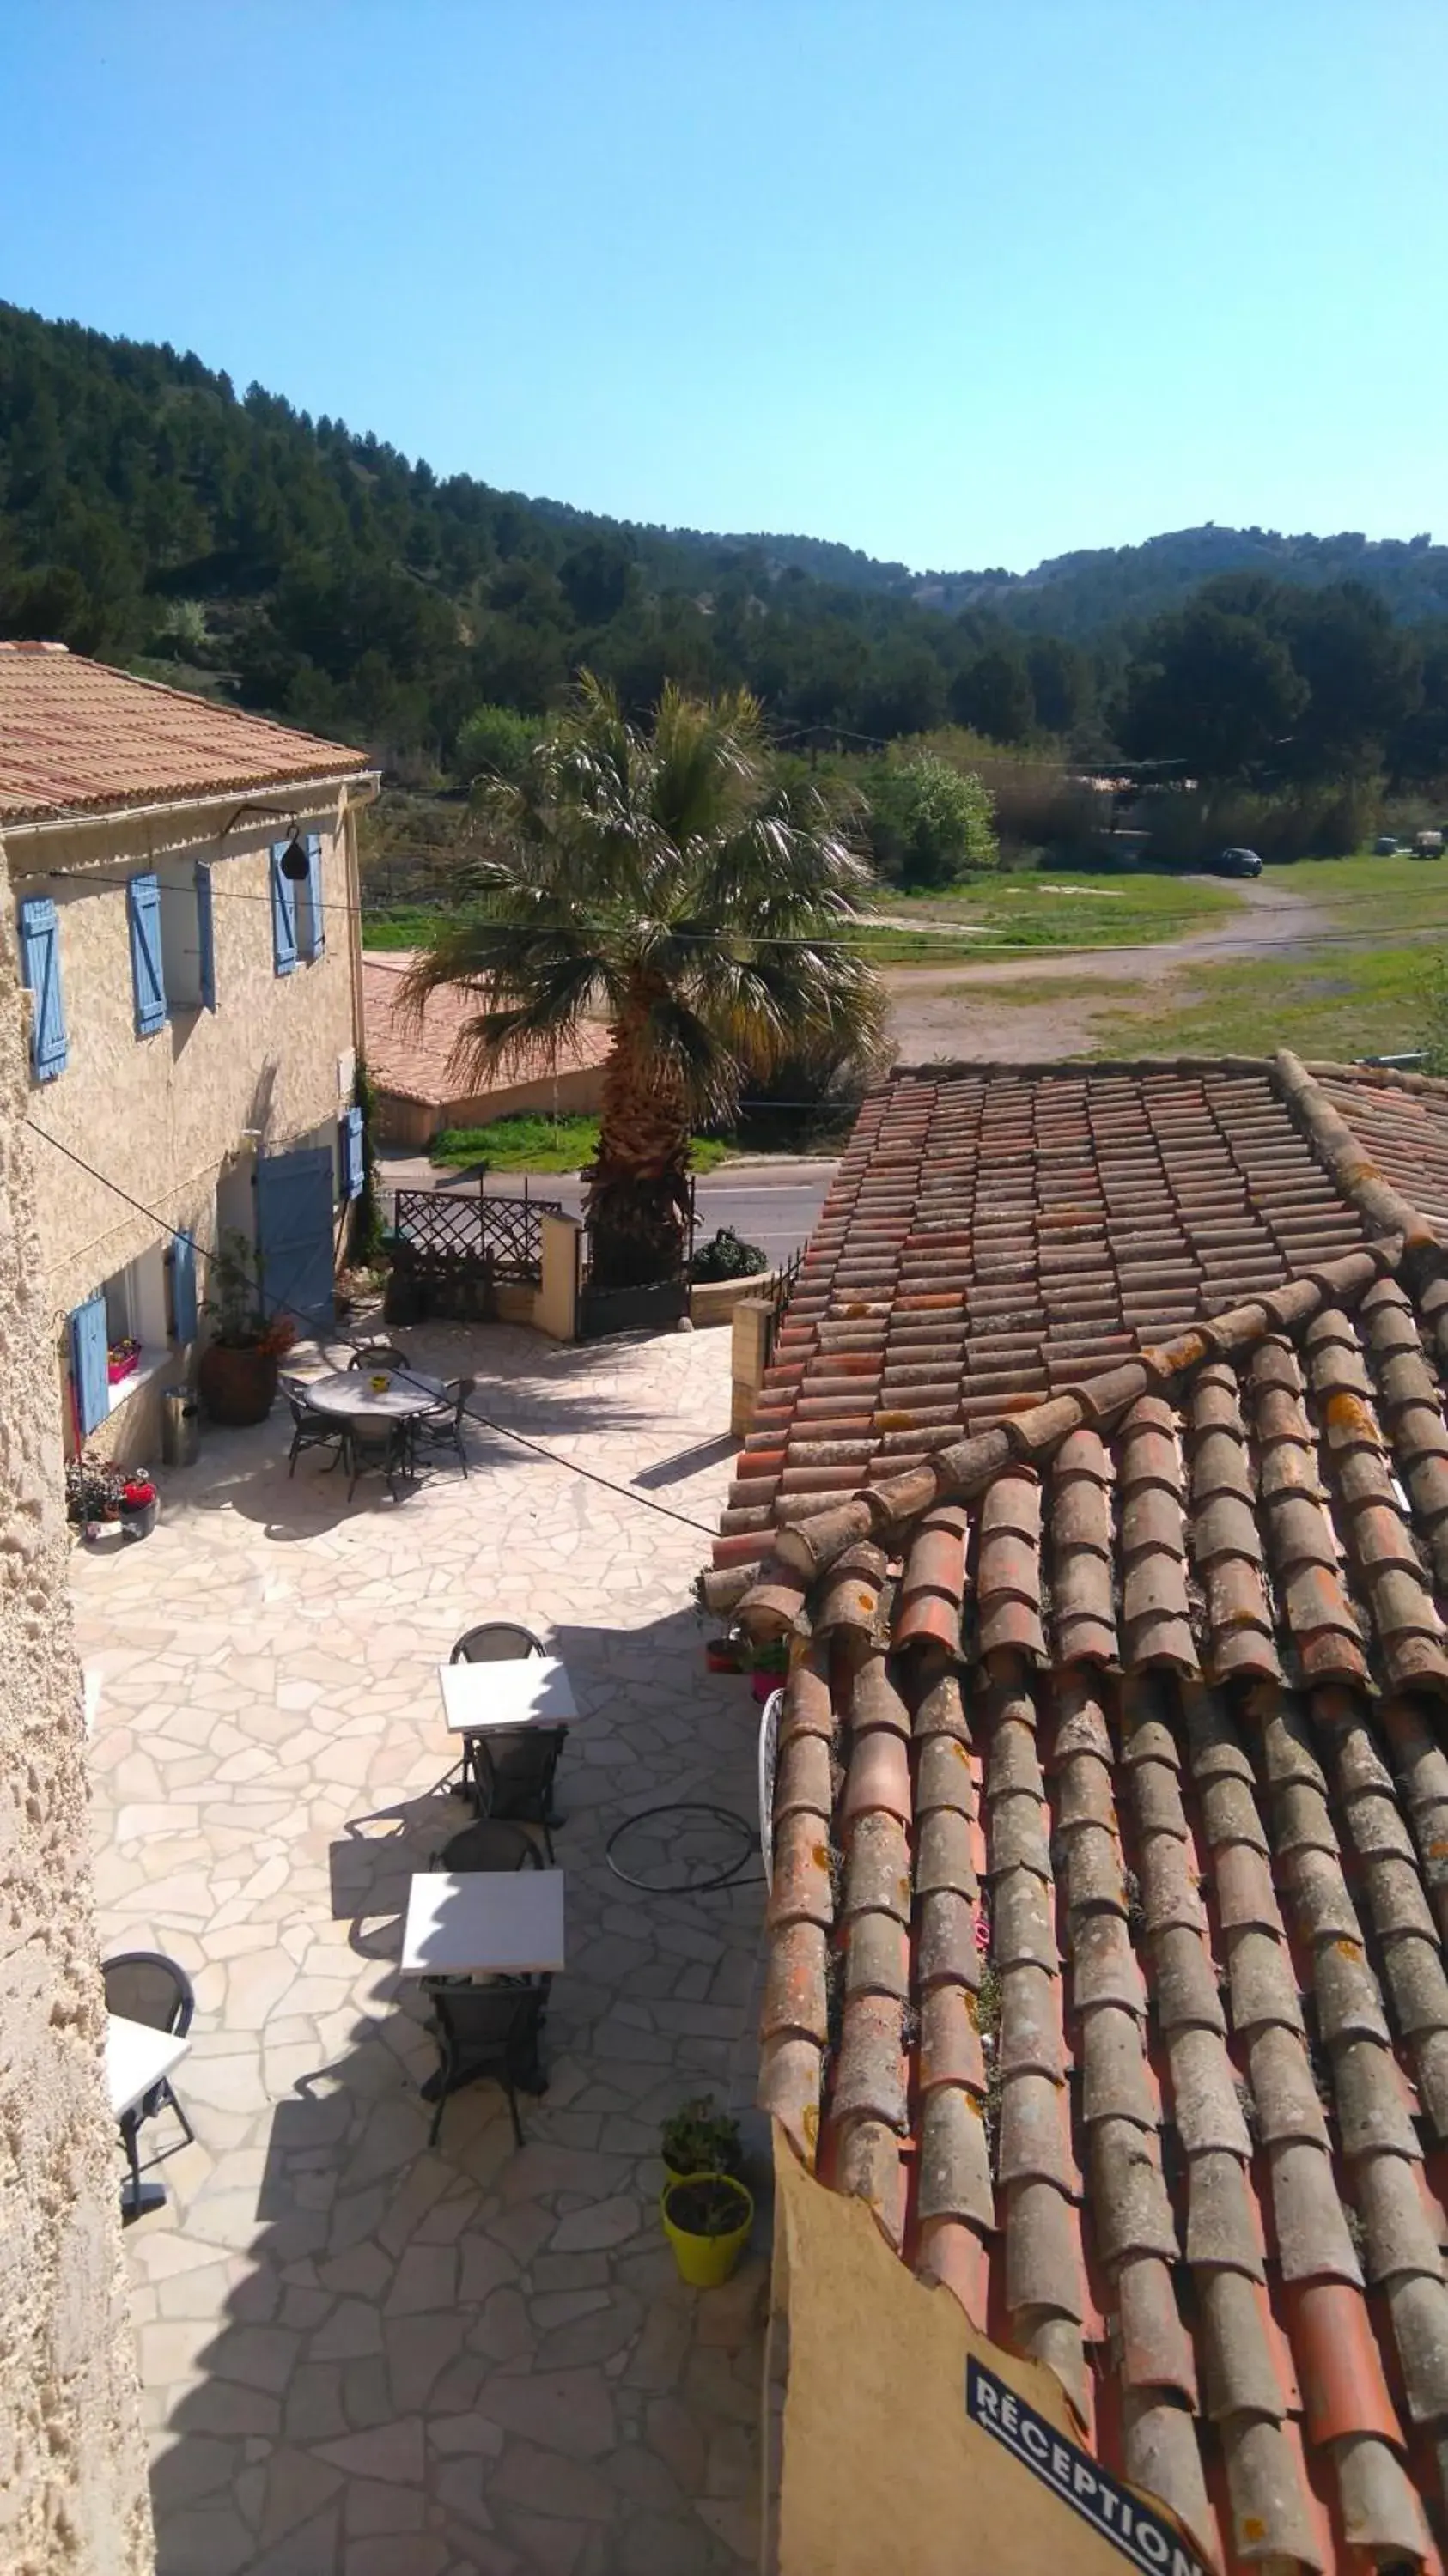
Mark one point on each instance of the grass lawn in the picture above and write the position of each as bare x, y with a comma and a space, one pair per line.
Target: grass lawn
1341, 1003
993, 915
999, 914
545, 1145
407, 927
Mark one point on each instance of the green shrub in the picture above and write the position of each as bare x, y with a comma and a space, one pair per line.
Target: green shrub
929, 822
727, 1257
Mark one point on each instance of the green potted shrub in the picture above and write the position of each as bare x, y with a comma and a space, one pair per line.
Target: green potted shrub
698, 2139
236, 1377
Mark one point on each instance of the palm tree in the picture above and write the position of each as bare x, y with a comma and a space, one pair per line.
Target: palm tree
671, 883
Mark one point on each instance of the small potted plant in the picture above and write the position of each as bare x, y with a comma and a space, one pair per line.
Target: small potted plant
707, 2218
700, 2139
92, 1494
123, 1358
139, 1505
722, 1654
236, 1377
768, 1666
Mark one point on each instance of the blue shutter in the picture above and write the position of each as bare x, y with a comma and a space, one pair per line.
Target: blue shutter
148, 976
316, 925
40, 966
284, 914
205, 937
183, 1287
350, 1140
88, 1365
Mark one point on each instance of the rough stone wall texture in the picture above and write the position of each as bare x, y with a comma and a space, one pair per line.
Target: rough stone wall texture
72, 2466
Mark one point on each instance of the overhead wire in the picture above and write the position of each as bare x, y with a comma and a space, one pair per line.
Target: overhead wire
280, 1307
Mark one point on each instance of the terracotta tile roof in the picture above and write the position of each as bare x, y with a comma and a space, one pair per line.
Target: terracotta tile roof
77, 738
421, 1063
1110, 1889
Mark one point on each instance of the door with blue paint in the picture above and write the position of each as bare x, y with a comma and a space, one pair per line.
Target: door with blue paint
294, 1232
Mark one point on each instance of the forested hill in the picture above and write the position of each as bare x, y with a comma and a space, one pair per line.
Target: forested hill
151, 515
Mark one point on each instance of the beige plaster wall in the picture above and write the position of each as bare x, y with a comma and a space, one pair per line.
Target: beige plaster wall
416, 1122
881, 2467
165, 1118
72, 2464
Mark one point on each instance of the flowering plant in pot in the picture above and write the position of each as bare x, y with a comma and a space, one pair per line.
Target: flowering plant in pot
123, 1358
139, 1505
93, 1490
236, 1377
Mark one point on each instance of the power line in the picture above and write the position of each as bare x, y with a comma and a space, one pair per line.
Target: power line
280, 1307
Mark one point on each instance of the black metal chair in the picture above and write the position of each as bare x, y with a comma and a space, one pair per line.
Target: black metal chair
493, 1641
379, 1355
491, 2031
375, 1450
496, 1641
513, 1770
146, 1986
310, 1429
488, 1844
443, 1428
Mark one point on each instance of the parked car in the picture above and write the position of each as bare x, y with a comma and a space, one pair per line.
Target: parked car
1237, 863
1427, 845
1386, 845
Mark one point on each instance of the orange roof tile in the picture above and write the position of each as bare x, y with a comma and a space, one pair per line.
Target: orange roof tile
1101, 1479
420, 1063
79, 738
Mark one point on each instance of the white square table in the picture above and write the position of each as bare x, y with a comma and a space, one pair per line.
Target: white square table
484, 1922
525, 1690
136, 2058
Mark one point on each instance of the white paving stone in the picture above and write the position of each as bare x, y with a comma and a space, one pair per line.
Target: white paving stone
361, 2355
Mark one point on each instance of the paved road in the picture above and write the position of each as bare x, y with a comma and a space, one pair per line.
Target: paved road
773, 1206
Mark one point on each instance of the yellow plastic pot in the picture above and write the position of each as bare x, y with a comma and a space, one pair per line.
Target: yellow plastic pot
706, 2261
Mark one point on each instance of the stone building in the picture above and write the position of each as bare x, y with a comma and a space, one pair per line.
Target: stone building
184, 882
72, 2465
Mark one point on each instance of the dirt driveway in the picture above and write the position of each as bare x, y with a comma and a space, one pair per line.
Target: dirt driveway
952, 1011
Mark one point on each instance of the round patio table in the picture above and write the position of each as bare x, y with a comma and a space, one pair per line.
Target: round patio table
351, 1395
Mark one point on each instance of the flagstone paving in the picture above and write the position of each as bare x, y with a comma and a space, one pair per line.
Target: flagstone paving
360, 2357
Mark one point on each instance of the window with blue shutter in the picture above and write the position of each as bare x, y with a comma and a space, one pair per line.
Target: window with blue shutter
205, 938
284, 914
148, 974
40, 966
183, 1287
313, 922
350, 1140
90, 1376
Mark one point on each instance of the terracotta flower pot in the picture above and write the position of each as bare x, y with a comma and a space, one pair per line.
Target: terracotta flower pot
237, 1385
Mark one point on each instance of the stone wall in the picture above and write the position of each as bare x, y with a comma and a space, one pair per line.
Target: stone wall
72, 2469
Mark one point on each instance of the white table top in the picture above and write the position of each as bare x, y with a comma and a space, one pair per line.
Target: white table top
136, 2058
481, 1922
526, 1690
351, 1394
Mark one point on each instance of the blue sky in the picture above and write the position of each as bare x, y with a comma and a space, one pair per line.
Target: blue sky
966, 284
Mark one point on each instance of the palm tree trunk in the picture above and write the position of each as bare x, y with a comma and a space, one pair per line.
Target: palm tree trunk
638, 1187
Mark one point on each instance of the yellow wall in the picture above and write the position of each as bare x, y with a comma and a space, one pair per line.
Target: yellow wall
164, 1118
882, 2468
